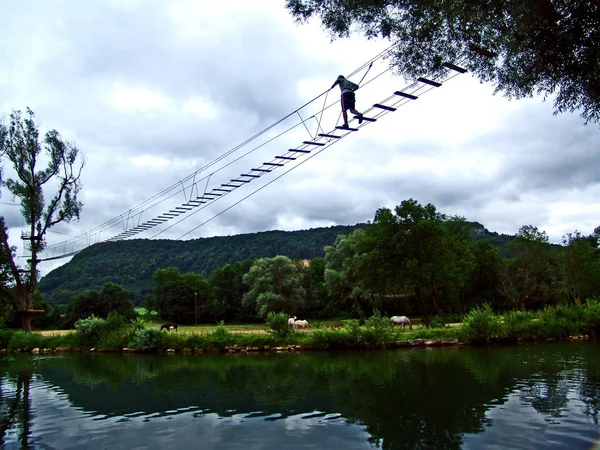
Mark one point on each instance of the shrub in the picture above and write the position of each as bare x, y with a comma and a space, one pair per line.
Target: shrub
90, 330
257, 340
432, 333
278, 324
352, 328
221, 337
114, 339
481, 325
147, 339
591, 316
115, 321
377, 331
324, 338
22, 340
436, 322
5, 337
69, 340
319, 338
520, 324
196, 341
177, 341
139, 324
561, 321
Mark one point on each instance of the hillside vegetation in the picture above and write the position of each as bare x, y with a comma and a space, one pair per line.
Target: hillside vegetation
132, 264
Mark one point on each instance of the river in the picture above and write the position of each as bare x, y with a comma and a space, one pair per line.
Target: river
540, 395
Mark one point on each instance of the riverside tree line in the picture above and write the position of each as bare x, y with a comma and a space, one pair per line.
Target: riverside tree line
413, 260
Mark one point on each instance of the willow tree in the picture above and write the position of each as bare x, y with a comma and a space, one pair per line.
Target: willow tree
275, 284
524, 47
20, 145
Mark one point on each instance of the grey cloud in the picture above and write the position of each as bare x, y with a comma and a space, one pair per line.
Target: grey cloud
12, 216
247, 68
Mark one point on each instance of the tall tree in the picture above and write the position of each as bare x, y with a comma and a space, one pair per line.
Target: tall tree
111, 298
179, 297
580, 267
227, 289
316, 294
427, 254
343, 276
275, 285
533, 268
484, 285
524, 47
20, 145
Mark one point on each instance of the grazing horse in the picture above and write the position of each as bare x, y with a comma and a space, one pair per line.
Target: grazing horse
169, 327
291, 321
402, 320
301, 324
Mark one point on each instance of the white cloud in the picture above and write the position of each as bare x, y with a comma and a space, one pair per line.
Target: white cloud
153, 91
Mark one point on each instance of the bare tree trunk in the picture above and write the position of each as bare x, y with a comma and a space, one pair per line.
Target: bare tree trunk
26, 321
25, 381
359, 308
437, 309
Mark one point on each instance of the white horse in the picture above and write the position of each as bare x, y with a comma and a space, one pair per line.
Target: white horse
402, 320
300, 324
291, 321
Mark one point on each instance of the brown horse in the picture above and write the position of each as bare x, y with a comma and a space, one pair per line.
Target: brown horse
169, 327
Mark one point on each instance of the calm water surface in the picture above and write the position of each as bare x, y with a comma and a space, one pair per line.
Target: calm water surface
528, 396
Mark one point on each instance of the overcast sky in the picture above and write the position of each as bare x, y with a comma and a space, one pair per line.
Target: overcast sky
152, 91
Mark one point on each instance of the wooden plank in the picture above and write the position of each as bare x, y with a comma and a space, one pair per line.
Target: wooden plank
454, 67
429, 82
405, 95
387, 108
368, 119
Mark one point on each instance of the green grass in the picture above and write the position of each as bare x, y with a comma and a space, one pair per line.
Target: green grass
481, 325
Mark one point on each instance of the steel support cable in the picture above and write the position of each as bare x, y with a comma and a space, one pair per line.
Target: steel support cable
136, 230
308, 158
208, 165
383, 113
120, 218
129, 234
289, 170
446, 79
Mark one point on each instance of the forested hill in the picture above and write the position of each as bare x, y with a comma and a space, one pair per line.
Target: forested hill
131, 264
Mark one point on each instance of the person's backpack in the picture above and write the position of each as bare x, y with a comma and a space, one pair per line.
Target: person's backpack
350, 85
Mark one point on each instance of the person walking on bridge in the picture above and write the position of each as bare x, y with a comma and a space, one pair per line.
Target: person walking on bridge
348, 98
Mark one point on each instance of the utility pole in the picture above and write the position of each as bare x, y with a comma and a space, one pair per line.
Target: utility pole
196, 307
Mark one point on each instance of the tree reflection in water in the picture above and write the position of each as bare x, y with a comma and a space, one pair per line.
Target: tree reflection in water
15, 406
403, 399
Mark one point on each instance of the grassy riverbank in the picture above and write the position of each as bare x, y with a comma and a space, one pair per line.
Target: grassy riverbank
481, 326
